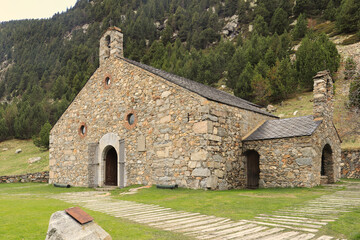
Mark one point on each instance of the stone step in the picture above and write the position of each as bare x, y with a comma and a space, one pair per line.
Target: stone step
292, 220
218, 234
176, 221
296, 218
325, 238
280, 236
207, 226
219, 228
262, 234
244, 232
188, 227
182, 222
304, 236
128, 213
166, 218
285, 226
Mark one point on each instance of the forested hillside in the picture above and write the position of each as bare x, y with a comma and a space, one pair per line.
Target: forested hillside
239, 46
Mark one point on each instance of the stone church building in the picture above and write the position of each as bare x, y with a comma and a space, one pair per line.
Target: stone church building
135, 124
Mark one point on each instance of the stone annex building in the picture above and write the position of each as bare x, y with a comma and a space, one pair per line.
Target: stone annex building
135, 124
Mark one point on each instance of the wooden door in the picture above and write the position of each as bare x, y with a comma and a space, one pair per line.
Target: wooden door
111, 168
253, 169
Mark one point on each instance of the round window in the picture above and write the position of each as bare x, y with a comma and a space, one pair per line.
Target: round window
131, 119
107, 81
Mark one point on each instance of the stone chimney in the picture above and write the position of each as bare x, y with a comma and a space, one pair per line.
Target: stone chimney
323, 96
111, 44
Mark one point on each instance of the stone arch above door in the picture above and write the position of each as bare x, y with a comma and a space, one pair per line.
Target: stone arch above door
107, 141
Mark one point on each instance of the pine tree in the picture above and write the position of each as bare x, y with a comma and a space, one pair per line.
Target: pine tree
279, 22
300, 27
260, 26
330, 11
243, 85
348, 19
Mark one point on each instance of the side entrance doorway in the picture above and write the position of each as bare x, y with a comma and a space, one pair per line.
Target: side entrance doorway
111, 167
327, 165
253, 169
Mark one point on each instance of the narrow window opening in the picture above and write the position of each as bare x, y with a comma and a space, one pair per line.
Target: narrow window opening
82, 130
108, 41
131, 119
107, 81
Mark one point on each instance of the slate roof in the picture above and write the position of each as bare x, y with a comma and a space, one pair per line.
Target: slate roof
285, 128
203, 90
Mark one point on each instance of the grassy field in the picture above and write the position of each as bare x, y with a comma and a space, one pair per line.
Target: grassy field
301, 104
28, 205
25, 211
12, 163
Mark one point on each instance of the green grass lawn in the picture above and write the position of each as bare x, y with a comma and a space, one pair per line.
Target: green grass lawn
13, 164
26, 208
25, 212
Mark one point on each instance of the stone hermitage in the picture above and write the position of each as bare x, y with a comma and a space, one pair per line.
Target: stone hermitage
134, 124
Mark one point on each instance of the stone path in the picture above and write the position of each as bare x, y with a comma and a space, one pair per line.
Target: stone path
301, 223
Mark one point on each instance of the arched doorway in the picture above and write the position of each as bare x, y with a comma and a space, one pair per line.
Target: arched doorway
111, 160
253, 169
327, 170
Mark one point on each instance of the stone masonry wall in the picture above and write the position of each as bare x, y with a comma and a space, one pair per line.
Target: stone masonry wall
187, 139
42, 177
296, 161
286, 162
350, 164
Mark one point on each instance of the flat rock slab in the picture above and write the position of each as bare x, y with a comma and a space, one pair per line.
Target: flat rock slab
64, 227
34, 160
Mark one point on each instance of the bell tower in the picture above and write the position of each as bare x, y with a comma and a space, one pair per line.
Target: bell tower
111, 45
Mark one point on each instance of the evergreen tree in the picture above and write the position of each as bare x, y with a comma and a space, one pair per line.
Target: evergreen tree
42, 140
315, 54
236, 66
243, 85
260, 26
3, 129
330, 11
279, 22
261, 89
300, 27
354, 95
348, 19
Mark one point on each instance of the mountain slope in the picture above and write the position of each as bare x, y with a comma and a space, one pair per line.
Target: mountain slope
241, 45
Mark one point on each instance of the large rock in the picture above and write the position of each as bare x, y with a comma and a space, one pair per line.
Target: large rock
64, 227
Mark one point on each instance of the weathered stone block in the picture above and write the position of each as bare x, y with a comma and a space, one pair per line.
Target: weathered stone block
304, 161
165, 94
201, 172
141, 143
199, 156
219, 173
214, 138
165, 119
192, 164
202, 127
